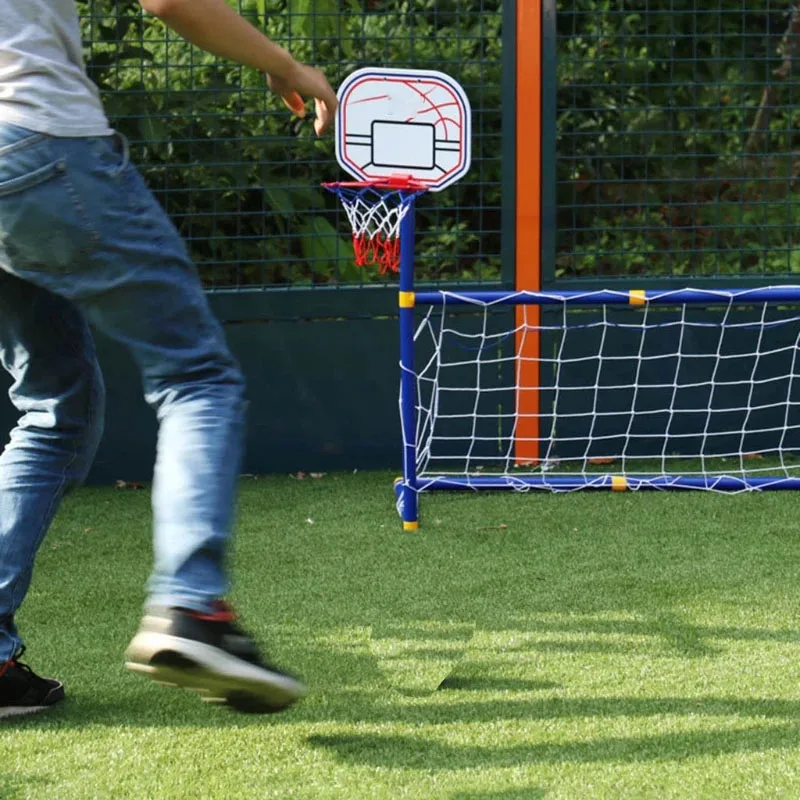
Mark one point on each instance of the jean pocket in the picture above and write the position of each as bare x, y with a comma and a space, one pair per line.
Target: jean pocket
31, 179
13, 138
43, 225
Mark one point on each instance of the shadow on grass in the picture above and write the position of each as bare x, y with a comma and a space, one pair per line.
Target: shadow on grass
16, 786
347, 685
675, 634
154, 706
490, 684
528, 793
678, 636
664, 632
417, 752
546, 709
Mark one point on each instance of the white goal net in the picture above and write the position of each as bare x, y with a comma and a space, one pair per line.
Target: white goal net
665, 394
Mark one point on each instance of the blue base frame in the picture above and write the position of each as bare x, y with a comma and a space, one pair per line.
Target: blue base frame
617, 483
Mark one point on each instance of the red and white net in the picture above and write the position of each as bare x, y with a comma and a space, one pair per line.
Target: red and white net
375, 212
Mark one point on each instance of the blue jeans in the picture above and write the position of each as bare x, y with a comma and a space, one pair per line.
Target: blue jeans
82, 240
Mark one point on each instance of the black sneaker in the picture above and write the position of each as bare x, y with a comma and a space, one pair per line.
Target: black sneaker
211, 655
24, 692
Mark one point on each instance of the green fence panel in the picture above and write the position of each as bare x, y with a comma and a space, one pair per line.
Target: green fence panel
322, 396
240, 177
677, 140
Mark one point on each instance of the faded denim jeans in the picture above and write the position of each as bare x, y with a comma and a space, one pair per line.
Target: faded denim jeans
82, 240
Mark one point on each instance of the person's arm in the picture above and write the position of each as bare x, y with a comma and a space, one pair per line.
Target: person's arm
215, 27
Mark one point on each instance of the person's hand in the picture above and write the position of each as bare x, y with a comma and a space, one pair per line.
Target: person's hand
305, 82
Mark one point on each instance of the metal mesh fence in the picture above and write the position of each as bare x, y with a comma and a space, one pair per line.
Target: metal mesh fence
240, 177
677, 138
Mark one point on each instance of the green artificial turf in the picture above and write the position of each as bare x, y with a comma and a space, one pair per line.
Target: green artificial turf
517, 647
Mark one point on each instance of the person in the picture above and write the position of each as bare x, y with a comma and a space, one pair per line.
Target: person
82, 241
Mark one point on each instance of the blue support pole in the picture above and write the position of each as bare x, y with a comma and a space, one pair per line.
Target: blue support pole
406, 489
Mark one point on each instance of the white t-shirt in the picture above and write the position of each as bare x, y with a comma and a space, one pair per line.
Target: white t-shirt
43, 80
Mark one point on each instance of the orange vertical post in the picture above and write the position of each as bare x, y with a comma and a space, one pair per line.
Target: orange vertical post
528, 259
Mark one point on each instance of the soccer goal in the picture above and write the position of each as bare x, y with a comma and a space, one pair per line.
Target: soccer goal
559, 390
682, 389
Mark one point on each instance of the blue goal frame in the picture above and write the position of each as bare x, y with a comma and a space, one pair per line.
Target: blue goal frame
410, 485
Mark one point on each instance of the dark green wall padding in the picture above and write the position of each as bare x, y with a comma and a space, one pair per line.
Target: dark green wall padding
323, 396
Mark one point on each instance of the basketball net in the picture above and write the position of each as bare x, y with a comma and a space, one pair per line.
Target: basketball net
375, 210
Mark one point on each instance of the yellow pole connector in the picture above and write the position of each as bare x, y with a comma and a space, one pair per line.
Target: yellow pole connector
618, 483
406, 299
637, 297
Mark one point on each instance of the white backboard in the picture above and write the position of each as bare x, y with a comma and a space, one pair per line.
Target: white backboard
404, 122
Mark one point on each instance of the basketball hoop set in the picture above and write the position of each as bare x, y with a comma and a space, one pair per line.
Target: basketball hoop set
399, 133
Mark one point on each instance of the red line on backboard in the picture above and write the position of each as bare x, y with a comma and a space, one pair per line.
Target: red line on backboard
433, 107
368, 99
445, 120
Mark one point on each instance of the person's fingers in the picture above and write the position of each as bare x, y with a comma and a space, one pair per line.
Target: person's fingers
330, 100
323, 117
295, 104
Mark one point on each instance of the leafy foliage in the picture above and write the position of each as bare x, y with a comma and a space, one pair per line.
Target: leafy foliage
660, 171
240, 178
676, 136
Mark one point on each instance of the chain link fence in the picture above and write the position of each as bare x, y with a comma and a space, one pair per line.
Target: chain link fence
677, 139
240, 177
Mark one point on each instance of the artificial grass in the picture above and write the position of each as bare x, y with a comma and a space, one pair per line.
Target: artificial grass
515, 648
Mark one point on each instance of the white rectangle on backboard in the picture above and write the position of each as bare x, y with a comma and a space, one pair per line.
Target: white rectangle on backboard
403, 145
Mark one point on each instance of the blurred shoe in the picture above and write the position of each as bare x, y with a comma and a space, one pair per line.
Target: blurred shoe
210, 654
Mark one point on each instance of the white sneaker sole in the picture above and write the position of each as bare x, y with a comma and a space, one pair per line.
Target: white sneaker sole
7, 712
21, 711
218, 676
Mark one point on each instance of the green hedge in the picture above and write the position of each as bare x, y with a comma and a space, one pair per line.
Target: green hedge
667, 166
241, 178
676, 137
